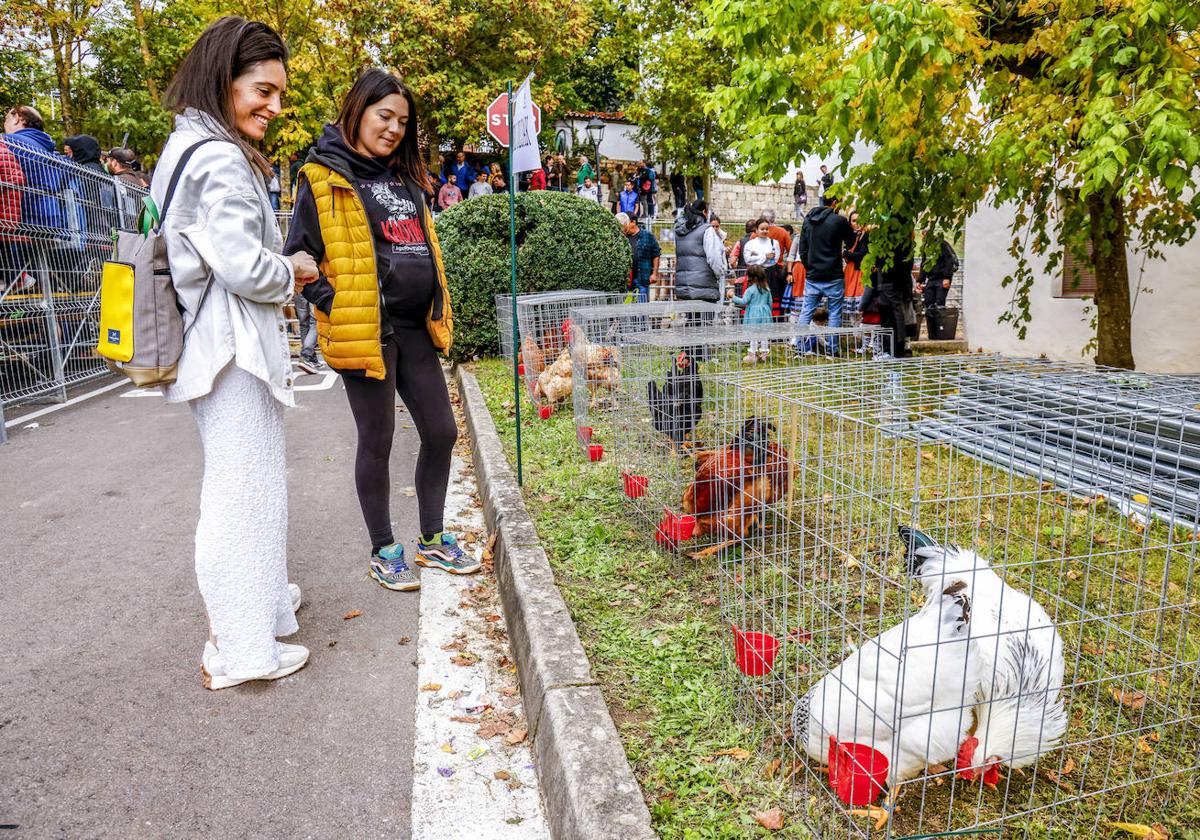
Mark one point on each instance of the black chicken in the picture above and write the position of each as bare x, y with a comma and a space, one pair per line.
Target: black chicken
675, 407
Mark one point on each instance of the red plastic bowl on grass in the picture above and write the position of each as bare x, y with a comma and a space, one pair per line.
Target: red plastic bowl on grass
675, 528
584, 433
857, 773
595, 452
635, 485
754, 652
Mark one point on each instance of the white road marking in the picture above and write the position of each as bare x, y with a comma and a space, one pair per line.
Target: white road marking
327, 381
25, 418
471, 801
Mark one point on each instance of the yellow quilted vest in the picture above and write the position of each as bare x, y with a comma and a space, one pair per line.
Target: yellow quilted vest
349, 336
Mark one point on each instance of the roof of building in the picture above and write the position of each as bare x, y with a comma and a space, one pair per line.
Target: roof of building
616, 116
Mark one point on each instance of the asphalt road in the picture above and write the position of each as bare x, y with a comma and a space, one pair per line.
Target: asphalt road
105, 729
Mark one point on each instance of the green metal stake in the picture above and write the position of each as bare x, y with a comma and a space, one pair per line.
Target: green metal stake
512, 245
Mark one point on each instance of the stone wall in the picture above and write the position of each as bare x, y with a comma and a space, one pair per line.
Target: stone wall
735, 202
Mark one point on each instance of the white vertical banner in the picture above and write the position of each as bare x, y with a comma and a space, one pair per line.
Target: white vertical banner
523, 134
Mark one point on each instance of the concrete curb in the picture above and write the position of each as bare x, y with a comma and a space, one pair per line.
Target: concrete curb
586, 781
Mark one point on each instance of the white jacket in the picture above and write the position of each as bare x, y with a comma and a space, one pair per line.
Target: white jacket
220, 220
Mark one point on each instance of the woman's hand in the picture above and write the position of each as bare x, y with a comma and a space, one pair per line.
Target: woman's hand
305, 268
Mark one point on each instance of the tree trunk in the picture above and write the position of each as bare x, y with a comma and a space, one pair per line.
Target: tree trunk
1106, 217
60, 50
139, 21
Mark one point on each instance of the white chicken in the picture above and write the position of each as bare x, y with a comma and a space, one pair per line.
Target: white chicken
907, 693
1019, 712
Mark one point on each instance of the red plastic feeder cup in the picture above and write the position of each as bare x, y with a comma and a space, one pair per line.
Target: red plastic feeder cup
544, 411
754, 652
584, 434
675, 528
595, 452
635, 485
521, 368
857, 773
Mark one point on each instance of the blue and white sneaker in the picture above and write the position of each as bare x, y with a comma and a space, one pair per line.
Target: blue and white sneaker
443, 553
389, 569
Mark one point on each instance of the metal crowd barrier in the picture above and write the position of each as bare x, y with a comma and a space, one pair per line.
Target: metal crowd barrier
56, 223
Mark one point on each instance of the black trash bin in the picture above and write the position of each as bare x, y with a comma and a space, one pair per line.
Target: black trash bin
941, 322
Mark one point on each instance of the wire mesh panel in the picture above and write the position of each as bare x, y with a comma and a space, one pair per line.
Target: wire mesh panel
971, 600
596, 337
668, 404
528, 305
56, 223
543, 328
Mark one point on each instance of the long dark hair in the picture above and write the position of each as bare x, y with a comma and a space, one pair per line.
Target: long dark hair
373, 85
225, 50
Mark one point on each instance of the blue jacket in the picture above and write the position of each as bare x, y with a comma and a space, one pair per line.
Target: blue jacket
628, 199
757, 303
464, 175
46, 174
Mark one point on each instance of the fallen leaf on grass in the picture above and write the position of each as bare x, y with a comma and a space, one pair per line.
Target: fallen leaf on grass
431, 687
1073, 575
1068, 767
508, 690
772, 768
729, 788
1132, 699
516, 735
1150, 832
1144, 745
734, 752
464, 659
928, 456
799, 636
709, 601
546, 498
770, 820
351, 614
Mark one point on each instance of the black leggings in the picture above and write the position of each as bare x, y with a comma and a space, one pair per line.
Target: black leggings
413, 372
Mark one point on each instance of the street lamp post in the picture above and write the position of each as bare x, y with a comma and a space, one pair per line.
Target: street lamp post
595, 132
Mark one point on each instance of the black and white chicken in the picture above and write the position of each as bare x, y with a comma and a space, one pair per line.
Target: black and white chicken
907, 693
1019, 713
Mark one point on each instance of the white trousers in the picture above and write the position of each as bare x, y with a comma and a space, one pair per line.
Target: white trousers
241, 539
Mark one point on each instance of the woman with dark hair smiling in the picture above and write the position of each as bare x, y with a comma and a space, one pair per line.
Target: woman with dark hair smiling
383, 309
235, 371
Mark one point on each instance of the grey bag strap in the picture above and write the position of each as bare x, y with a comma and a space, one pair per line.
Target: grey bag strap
174, 182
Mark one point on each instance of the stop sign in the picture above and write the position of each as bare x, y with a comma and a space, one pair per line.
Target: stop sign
497, 119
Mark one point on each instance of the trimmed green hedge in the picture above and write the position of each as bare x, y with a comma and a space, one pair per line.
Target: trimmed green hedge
563, 242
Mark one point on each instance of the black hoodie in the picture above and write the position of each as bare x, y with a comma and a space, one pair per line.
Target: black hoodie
395, 210
824, 236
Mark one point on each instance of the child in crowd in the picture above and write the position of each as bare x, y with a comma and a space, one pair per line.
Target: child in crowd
756, 300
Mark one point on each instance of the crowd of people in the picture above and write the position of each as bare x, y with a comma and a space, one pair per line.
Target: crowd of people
625, 187
69, 196
810, 275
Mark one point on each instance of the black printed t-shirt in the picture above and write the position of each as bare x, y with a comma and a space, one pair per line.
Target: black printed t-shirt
403, 259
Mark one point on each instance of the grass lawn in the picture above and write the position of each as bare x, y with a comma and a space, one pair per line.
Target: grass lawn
652, 627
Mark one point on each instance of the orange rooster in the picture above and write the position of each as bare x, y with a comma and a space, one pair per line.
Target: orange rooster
734, 484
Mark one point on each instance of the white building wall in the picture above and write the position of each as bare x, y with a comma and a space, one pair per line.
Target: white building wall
618, 142
1165, 336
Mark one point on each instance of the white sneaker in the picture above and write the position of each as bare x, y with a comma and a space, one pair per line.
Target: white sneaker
307, 366
294, 591
291, 659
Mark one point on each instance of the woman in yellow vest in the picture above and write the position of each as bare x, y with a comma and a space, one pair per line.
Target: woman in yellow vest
382, 308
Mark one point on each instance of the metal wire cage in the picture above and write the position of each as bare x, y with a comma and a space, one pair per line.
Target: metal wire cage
56, 223
667, 405
1035, 629
597, 335
535, 308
